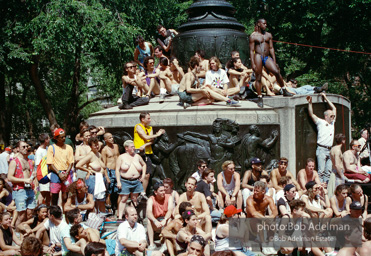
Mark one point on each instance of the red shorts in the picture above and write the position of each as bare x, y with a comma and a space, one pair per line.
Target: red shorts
56, 187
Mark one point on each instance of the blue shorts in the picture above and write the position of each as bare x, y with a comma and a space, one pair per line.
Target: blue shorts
91, 185
24, 199
112, 187
130, 186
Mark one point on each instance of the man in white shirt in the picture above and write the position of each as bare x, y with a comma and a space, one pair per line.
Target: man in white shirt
131, 236
55, 224
4, 162
365, 148
325, 137
40, 153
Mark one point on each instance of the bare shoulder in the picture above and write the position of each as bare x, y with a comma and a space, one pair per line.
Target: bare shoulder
182, 198
301, 173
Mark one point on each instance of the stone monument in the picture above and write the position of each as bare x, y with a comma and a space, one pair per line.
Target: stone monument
211, 27
217, 132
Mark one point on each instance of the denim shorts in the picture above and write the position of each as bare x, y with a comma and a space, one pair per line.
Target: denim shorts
90, 182
24, 199
130, 186
112, 187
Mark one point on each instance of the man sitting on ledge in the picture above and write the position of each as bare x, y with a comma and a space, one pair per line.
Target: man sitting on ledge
133, 86
352, 163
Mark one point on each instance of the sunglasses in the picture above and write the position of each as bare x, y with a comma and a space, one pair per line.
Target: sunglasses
203, 166
283, 162
131, 67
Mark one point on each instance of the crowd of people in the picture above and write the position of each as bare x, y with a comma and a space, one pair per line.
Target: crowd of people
48, 212
205, 81
94, 178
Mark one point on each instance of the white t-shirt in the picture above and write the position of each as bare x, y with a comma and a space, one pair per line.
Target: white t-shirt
365, 153
137, 234
326, 132
55, 231
216, 78
40, 153
65, 232
4, 162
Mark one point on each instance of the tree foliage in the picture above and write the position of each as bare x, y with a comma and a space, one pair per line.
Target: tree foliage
53, 51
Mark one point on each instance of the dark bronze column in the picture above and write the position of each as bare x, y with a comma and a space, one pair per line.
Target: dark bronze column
212, 28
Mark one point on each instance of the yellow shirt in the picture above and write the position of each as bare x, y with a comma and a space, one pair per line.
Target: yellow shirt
138, 141
62, 157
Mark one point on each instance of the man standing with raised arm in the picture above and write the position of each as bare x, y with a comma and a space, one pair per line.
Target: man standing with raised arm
325, 137
262, 55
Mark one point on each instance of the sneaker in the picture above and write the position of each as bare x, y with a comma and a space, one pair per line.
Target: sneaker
260, 102
144, 196
186, 105
152, 247
286, 93
163, 248
162, 98
324, 87
125, 106
232, 102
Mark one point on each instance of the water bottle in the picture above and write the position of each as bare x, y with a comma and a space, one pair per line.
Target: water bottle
66, 182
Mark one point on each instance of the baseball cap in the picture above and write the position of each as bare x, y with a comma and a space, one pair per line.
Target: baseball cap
58, 132
288, 187
355, 205
256, 160
8, 149
231, 210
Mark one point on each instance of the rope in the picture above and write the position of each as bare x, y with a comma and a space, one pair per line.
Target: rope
321, 47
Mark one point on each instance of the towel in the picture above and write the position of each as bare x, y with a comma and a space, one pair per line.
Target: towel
100, 188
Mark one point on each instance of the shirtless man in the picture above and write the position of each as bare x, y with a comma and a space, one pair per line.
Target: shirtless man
281, 171
82, 151
130, 171
198, 202
190, 90
257, 205
250, 177
261, 46
228, 182
308, 174
93, 164
110, 153
204, 65
172, 228
336, 155
176, 70
166, 77
352, 163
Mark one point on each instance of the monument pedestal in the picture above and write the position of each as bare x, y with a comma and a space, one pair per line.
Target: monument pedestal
219, 132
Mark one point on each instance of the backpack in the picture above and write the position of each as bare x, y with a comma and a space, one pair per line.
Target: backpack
42, 170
